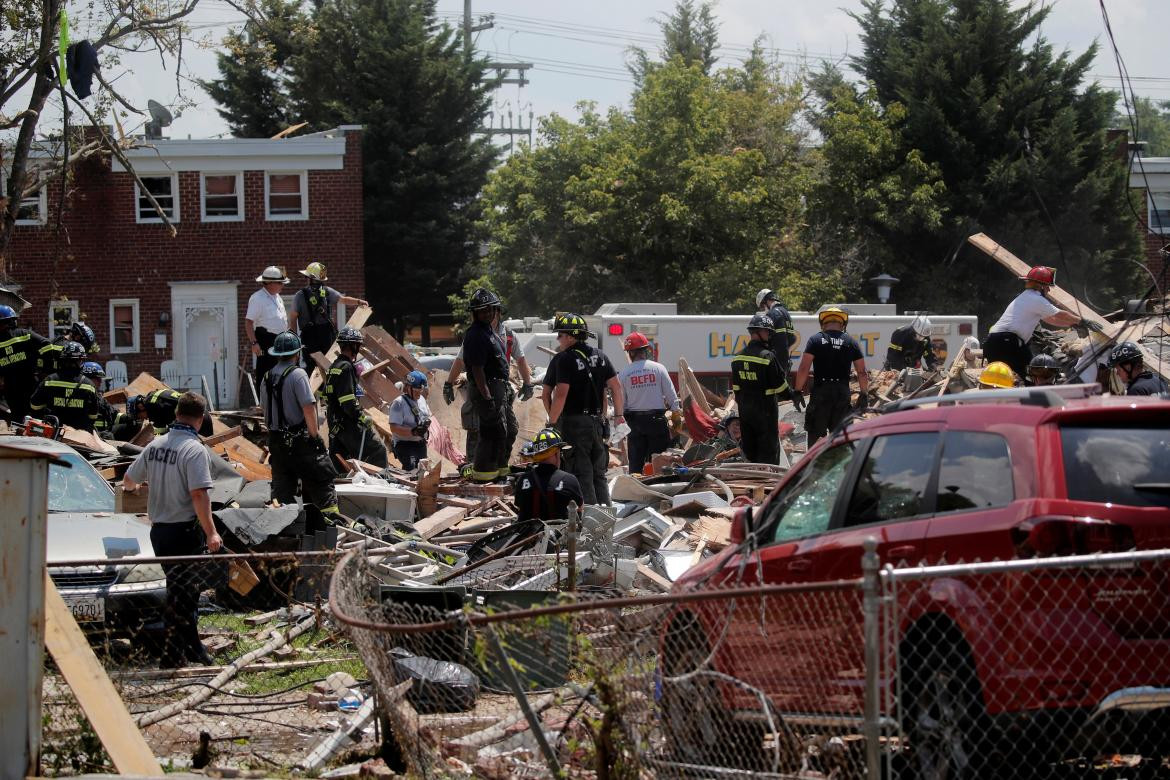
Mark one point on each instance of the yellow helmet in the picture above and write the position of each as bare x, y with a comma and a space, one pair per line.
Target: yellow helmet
997, 374
834, 313
315, 271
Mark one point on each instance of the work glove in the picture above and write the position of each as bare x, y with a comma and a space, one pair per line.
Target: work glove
862, 402
1082, 329
797, 399
449, 393
418, 430
1091, 325
525, 391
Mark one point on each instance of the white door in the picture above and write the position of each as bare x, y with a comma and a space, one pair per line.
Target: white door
206, 345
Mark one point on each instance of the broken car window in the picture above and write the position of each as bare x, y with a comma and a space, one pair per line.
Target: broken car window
806, 507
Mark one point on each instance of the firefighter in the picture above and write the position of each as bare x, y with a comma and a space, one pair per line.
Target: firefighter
66, 394
649, 395
1008, 340
543, 491
1128, 364
487, 366
266, 316
757, 377
158, 406
784, 334
997, 376
1043, 370
910, 346
351, 432
315, 310
297, 453
831, 354
107, 415
410, 421
574, 396
50, 353
19, 350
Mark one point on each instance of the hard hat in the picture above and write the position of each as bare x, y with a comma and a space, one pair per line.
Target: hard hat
1043, 366
287, 343
1041, 274
544, 445
833, 313
416, 379
72, 350
132, 402
998, 374
349, 335
764, 295
1125, 352
573, 324
726, 422
316, 271
84, 335
7, 312
482, 298
273, 274
90, 368
761, 322
921, 325
636, 341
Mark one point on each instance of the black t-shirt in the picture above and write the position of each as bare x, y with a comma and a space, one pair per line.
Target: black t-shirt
833, 355
482, 347
544, 492
1146, 384
574, 366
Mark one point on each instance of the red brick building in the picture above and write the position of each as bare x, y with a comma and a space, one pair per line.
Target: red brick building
1152, 175
237, 205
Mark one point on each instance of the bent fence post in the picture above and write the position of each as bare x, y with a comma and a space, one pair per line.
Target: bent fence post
871, 603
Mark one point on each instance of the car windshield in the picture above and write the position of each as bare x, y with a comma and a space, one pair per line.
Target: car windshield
78, 488
1118, 465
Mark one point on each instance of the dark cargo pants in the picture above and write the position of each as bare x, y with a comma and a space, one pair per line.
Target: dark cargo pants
588, 459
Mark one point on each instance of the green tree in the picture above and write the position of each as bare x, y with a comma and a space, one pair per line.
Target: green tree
1153, 125
690, 32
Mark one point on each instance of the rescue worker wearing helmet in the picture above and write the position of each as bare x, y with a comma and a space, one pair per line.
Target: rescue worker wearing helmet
649, 395
104, 424
830, 355
543, 491
158, 406
19, 351
783, 331
758, 379
351, 431
997, 376
574, 395
410, 421
265, 318
78, 333
1128, 366
1008, 340
297, 453
1043, 370
910, 346
484, 355
315, 312
66, 394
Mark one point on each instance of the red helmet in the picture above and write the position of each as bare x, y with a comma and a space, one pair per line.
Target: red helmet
1041, 274
636, 341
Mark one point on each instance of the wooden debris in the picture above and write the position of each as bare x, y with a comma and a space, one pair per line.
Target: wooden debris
439, 521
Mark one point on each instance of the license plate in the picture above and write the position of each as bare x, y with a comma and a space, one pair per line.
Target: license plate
86, 609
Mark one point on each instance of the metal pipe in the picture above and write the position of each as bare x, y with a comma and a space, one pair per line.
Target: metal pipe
534, 723
493, 557
871, 597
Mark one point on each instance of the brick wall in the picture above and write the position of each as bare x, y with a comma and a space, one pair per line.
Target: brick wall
103, 253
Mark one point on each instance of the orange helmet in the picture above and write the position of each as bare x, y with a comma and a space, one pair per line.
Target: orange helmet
1040, 274
636, 341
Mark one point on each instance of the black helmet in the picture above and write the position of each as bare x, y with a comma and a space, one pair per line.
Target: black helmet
72, 350
482, 298
573, 324
1044, 360
287, 343
1125, 352
348, 335
762, 322
726, 422
84, 335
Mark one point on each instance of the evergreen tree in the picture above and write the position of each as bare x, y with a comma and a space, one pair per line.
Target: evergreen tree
690, 32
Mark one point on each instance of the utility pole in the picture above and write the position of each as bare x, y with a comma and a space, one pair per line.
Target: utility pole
503, 70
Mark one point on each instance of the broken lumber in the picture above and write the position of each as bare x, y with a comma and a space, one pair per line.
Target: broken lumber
143, 383
439, 521
467, 746
220, 438
357, 320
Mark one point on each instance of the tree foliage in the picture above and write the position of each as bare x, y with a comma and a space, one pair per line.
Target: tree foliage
1152, 120
689, 32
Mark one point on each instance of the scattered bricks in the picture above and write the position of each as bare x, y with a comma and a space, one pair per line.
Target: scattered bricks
377, 769
339, 682
322, 701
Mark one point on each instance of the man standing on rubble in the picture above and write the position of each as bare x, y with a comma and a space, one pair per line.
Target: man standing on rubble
831, 354
177, 468
265, 318
1008, 340
410, 421
1128, 364
784, 332
649, 395
19, 350
543, 491
315, 310
297, 453
66, 394
757, 377
574, 395
487, 366
351, 432
910, 346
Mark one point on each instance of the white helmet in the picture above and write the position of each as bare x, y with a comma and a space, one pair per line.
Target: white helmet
272, 274
763, 295
921, 325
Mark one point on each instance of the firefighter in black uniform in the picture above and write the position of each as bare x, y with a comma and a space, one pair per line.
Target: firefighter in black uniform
104, 424
910, 345
50, 353
1043, 370
1128, 364
66, 394
487, 366
830, 354
543, 491
158, 406
19, 350
351, 433
783, 333
758, 379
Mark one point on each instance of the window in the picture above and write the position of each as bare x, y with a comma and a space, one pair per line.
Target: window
123, 325
32, 209
286, 196
223, 197
74, 486
975, 472
892, 483
1159, 212
62, 315
806, 506
1128, 466
165, 190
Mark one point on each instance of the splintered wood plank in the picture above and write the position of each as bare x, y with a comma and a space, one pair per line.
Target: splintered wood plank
391, 347
220, 438
143, 383
440, 521
361, 315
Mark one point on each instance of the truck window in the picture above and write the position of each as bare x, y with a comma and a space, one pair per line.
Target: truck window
975, 472
806, 506
1116, 464
893, 479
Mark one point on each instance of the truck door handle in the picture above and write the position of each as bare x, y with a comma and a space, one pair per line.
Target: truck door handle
800, 564
902, 552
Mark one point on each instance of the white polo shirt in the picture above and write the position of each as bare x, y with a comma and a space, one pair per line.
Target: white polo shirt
1024, 313
267, 311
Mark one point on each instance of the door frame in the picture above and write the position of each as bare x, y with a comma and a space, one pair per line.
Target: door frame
209, 295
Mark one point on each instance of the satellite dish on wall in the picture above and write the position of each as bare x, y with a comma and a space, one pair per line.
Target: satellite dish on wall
160, 117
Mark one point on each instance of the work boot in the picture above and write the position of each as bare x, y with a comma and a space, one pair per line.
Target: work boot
200, 656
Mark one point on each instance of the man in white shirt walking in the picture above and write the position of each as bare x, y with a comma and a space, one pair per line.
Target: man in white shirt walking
1008, 340
266, 318
649, 393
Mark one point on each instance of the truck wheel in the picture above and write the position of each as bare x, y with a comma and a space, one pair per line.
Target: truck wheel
943, 711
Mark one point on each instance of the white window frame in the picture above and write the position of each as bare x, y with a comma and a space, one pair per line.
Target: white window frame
136, 346
1164, 227
40, 196
304, 215
72, 305
155, 219
239, 216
